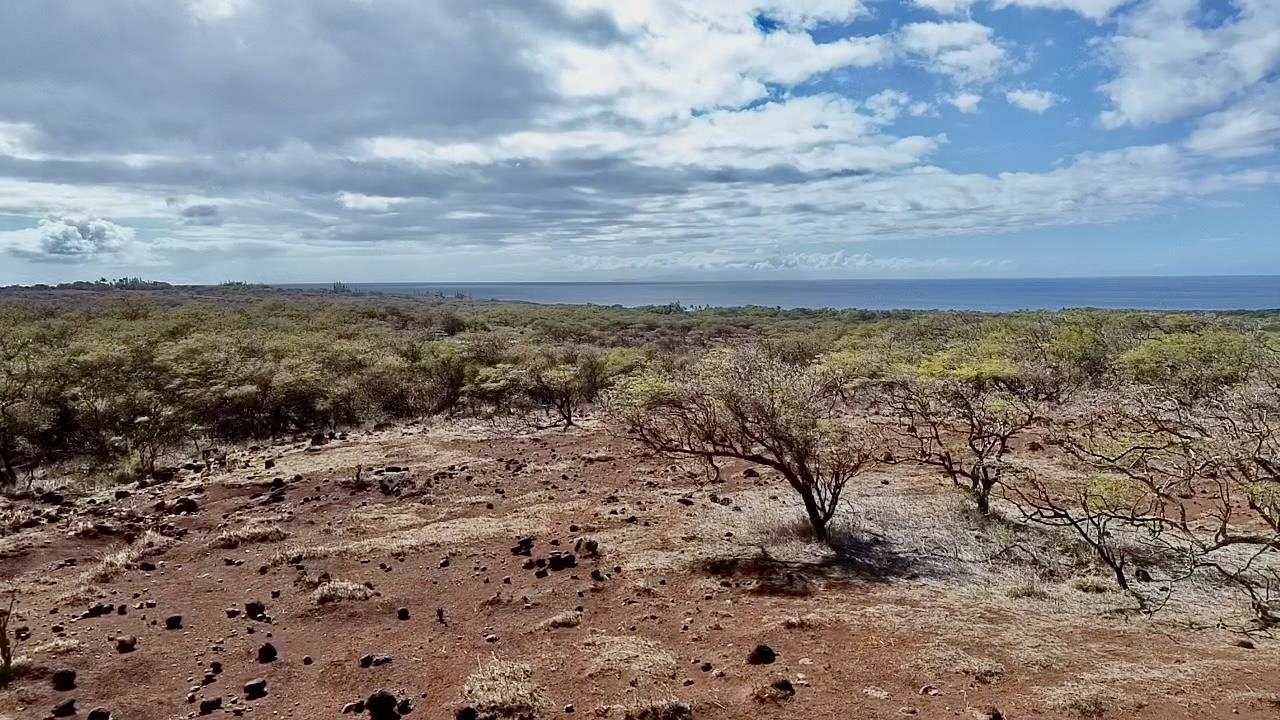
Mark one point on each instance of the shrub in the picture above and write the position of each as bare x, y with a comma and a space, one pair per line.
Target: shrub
746, 404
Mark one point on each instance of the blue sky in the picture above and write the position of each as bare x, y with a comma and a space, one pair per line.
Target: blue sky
367, 140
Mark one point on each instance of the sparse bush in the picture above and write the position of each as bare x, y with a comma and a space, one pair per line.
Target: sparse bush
252, 532
338, 591
745, 404
566, 619
502, 690
962, 421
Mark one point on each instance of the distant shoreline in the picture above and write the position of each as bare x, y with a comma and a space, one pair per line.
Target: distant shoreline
1218, 294
1223, 293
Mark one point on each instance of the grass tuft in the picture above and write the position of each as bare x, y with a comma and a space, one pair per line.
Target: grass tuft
339, 590
501, 689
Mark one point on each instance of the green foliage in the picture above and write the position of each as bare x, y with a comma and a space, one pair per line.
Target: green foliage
124, 372
1192, 365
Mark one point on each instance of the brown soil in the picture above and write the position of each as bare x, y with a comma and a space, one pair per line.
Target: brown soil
916, 615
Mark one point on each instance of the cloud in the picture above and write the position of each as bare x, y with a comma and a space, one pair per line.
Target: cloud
1170, 65
201, 214
965, 102
1094, 9
964, 50
946, 7
374, 203
1248, 128
1036, 101
68, 239
519, 134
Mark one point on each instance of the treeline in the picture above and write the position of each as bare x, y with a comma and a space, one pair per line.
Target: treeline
121, 379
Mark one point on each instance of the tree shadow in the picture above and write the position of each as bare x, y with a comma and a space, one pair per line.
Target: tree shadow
849, 557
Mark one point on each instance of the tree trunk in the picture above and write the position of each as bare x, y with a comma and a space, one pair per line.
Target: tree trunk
983, 499
10, 475
816, 519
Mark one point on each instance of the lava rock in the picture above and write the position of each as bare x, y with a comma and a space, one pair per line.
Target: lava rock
402, 613
173, 622
382, 706
255, 688
523, 546
783, 687
66, 708
761, 655
63, 680
100, 713
255, 610
267, 653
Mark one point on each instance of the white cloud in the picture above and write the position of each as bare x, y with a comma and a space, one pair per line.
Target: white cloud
946, 7
1095, 9
16, 139
1171, 66
1036, 101
812, 133
1248, 128
965, 102
964, 50
68, 239
702, 56
359, 201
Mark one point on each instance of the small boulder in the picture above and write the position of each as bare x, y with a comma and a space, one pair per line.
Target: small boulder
255, 610
63, 680
255, 688
173, 622
208, 705
382, 706
66, 708
267, 653
100, 713
761, 655
126, 644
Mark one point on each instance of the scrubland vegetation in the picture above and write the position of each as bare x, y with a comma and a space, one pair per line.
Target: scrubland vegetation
1153, 440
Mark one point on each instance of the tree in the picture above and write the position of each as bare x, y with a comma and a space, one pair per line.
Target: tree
26, 409
1191, 366
1195, 482
962, 421
746, 404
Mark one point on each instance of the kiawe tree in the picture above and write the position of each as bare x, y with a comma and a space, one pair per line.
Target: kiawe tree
962, 419
746, 404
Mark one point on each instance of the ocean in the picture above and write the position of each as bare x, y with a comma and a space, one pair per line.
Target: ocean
988, 295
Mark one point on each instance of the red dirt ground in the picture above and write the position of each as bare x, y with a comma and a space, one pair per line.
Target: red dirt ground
681, 569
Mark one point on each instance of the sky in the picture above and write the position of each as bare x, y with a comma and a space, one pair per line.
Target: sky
503, 140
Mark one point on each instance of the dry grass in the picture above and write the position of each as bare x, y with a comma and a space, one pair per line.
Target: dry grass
458, 531
1083, 700
374, 519
945, 657
566, 619
252, 532
502, 689
624, 654
118, 561
338, 591
776, 691
665, 709
56, 646
808, 621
